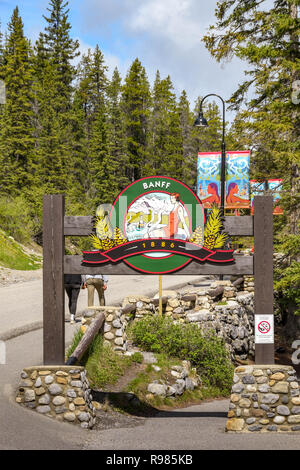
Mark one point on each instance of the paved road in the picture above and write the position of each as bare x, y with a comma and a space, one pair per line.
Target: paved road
196, 427
21, 303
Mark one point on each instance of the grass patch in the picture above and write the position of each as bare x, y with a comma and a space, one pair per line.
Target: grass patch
104, 366
13, 256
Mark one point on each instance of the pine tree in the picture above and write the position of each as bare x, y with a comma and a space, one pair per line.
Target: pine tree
118, 158
55, 51
16, 134
136, 102
166, 138
267, 38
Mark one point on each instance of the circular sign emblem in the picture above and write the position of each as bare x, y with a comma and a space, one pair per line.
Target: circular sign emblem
264, 327
157, 208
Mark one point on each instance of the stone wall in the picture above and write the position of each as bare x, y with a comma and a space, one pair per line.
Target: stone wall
114, 326
230, 314
59, 392
264, 398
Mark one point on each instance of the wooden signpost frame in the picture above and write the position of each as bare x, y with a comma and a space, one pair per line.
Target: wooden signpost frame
57, 226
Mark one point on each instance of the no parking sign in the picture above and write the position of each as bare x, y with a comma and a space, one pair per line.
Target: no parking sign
264, 329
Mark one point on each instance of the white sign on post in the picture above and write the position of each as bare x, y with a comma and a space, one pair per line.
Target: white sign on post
264, 329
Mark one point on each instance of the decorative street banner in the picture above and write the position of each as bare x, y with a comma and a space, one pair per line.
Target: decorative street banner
237, 179
157, 225
274, 186
208, 180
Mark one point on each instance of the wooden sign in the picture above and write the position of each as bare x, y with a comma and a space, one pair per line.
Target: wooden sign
157, 226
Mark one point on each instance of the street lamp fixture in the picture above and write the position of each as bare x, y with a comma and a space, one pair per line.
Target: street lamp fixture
202, 122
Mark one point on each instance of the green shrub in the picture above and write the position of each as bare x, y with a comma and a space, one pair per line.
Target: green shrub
206, 351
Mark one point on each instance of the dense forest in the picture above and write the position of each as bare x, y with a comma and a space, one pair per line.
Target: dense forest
69, 127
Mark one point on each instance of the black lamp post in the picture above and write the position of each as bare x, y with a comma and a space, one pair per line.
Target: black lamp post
202, 122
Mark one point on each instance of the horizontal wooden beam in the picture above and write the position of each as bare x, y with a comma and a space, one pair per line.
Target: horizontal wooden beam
82, 226
243, 265
78, 226
239, 226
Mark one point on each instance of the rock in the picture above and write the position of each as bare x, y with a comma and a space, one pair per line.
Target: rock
285, 399
76, 383
55, 389
45, 399
107, 328
43, 409
175, 374
255, 428
279, 420
281, 387
277, 376
44, 372
24, 375
109, 336
248, 379
119, 341
29, 395
59, 400
283, 410
294, 385
201, 315
179, 386
61, 373
264, 388
258, 373
245, 403
69, 416
71, 393
189, 384
157, 389
250, 420
295, 428
119, 332
49, 379
294, 419
156, 368
79, 401
237, 388
296, 401
295, 410
235, 424
83, 417
270, 398
117, 324
262, 380
26, 383
38, 382
272, 428
61, 380
40, 391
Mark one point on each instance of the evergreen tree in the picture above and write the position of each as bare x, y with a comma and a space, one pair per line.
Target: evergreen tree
166, 139
55, 51
136, 101
118, 158
267, 38
16, 134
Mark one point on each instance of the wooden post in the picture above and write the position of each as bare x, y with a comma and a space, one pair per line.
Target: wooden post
53, 279
263, 269
160, 295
